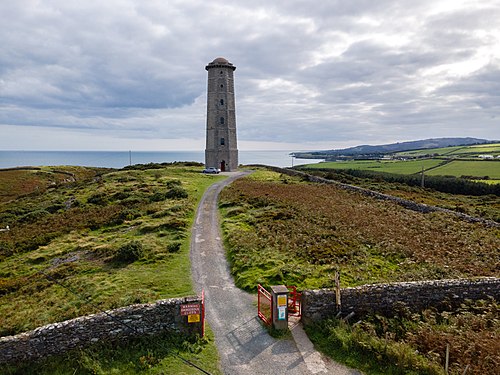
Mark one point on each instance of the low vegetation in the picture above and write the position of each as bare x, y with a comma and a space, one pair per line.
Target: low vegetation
107, 240
282, 230
453, 195
416, 343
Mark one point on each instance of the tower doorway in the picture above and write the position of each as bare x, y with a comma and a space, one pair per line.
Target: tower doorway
222, 166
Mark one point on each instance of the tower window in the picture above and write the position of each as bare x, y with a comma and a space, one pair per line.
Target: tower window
221, 72
221, 120
222, 102
221, 86
222, 141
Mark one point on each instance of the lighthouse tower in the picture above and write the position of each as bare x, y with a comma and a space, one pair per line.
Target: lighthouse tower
221, 148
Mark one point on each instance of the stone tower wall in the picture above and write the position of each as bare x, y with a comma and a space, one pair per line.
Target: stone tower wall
221, 140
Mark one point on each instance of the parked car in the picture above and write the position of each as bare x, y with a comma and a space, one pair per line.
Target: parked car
211, 170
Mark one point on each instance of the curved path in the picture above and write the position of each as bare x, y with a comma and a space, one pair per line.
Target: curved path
244, 345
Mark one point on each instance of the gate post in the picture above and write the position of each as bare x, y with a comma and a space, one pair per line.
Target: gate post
279, 295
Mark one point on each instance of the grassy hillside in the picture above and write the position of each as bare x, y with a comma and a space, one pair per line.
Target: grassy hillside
113, 238
18, 182
282, 230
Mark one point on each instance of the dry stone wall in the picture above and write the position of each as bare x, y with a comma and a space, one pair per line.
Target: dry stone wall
387, 299
120, 324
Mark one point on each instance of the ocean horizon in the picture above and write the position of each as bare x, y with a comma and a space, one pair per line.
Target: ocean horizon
120, 159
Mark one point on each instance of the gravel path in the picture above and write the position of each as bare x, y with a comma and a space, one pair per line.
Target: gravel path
244, 345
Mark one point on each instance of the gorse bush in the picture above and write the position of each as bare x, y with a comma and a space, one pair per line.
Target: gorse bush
174, 247
33, 216
172, 183
99, 199
176, 192
129, 252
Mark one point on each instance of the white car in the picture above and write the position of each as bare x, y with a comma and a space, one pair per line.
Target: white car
211, 170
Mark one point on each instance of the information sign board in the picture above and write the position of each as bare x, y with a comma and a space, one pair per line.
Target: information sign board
195, 318
190, 309
282, 300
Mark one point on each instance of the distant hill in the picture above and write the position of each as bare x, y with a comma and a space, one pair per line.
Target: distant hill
394, 147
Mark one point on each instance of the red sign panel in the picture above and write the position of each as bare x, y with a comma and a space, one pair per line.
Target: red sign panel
190, 309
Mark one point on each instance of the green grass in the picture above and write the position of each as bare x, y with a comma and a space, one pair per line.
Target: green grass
283, 230
432, 151
84, 258
76, 233
366, 352
456, 151
415, 343
398, 167
286, 231
459, 168
432, 167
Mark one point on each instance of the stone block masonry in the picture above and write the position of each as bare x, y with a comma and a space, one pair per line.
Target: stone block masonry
385, 299
120, 324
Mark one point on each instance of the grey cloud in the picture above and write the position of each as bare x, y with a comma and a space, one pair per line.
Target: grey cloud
306, 72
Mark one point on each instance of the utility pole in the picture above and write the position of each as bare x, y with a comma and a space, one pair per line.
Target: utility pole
422, 181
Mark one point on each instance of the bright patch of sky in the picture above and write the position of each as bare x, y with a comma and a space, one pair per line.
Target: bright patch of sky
129, 74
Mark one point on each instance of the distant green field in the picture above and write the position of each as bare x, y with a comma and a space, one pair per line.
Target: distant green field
468, 168
464, 151
491, 148
433, 167
430, 151
398, 167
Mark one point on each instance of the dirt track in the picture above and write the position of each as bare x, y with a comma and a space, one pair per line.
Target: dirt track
244, 345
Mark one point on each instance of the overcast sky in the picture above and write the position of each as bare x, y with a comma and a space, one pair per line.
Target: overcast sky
130, 74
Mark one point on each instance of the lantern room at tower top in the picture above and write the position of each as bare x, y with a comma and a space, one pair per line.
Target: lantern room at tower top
220, 62
221, 143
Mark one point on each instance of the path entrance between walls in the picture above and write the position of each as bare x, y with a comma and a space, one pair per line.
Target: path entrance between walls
244, 345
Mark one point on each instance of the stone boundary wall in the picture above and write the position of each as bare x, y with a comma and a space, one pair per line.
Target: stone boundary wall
419, 207
386, 299
120, 324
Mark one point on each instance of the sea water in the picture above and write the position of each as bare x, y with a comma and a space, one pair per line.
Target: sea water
120, 159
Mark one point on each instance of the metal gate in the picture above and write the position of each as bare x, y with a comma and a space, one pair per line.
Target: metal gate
264, 304
294, 302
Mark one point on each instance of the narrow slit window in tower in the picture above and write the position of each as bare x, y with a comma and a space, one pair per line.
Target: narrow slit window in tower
222, 142
222, 120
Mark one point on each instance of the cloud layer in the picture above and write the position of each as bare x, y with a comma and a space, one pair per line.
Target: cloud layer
309, 75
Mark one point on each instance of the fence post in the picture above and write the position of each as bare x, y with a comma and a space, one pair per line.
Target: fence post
447, 358
337, 290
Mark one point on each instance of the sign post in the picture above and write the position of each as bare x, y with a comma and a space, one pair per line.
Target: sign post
279, 295
192, 311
